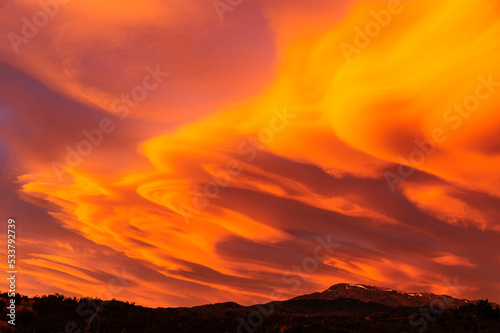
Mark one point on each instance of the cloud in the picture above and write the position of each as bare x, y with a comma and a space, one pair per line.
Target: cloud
262, 139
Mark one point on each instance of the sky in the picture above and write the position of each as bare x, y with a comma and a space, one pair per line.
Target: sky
181, 152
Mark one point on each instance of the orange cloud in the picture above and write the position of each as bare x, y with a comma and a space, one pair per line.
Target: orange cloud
453, 260
259, 141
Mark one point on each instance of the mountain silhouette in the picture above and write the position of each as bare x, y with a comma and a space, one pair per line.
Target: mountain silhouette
343, 308
386, 296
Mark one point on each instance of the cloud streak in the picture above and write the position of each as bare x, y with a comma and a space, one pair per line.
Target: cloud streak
319, 171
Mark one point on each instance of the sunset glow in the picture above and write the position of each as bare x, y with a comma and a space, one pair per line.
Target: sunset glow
172, 153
